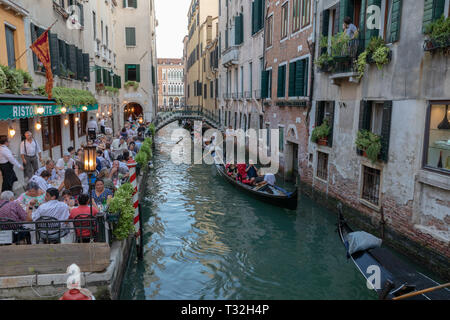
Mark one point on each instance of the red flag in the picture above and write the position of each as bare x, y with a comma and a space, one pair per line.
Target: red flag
41, 48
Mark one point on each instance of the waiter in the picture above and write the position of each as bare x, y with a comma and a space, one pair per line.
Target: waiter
7, 163
29, 151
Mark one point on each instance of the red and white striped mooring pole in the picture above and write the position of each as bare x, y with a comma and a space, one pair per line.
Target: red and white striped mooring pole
137, 217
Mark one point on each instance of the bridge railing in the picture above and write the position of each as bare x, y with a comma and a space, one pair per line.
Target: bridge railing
187, 111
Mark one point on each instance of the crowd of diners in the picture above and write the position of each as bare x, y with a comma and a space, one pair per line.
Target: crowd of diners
59, 188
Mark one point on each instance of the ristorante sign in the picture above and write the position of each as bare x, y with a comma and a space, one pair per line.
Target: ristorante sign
16, 111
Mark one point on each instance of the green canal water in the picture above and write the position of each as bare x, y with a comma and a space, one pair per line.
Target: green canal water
204, 239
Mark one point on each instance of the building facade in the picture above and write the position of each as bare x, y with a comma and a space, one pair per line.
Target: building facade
241, 40
170, 83
286, 79
405, 189
202, 18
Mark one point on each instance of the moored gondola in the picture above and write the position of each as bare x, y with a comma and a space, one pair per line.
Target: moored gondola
396, 278
271, 194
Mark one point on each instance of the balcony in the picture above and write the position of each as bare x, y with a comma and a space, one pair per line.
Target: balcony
345, 60
97, 48
234, 96
257, 94
248, 95
230, 56
227, 96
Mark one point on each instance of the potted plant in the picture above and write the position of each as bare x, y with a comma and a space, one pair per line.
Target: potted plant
438, 34
320, 134
71, 74
325, 62
369, 143
3, 81
14, 80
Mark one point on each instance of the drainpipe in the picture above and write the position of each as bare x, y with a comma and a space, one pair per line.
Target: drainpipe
313, 55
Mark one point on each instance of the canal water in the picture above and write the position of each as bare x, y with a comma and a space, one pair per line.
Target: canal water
204, 239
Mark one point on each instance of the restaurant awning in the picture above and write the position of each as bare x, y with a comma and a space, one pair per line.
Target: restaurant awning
17, 107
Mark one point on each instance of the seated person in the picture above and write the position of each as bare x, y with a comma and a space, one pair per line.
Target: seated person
83, 208
232, 170
66, 162
33, 192
117, 170
101, 195
52, 207
252, 173
242, 174
50, 167
101, 158
12, 210
104, 175
42, 180
70, 180
270, 178
68, 199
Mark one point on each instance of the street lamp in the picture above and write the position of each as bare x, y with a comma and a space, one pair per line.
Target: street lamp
89, 166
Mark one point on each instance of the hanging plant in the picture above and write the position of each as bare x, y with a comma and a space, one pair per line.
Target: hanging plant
361, 64
381, 56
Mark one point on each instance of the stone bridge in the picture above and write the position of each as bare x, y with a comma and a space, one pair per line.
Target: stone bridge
165, 118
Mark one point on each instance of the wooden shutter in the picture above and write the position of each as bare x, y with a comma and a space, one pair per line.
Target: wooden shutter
138, 73
126, 73
54, 53
119, 82
73, 58
438, 9
105, 76
291, 90
300, 78
320, 112
253, 16
33, 39
337, 19
264, 84
331, 124
98, 74
324, 22
396, 20
386, 131
237, 32
80, 64
306, 81
86, 69
130, 35
80, 6
343, 12
427, 13
281, 81
370, 33
124, 3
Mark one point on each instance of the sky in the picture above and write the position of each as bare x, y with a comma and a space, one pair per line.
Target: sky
172, 27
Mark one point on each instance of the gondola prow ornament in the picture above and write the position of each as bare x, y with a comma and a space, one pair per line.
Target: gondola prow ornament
75, 291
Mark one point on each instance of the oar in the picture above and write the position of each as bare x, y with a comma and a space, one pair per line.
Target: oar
416, 293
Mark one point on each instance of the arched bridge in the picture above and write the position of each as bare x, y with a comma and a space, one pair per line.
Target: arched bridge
164, 118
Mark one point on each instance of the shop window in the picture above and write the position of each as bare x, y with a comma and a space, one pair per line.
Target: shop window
322, 166
437, 138
371, 185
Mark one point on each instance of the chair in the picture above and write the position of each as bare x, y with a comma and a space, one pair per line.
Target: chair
48, 229
19, 233
85, 230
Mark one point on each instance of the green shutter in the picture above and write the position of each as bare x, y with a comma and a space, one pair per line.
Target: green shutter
130, 36
119, 82
153, 75
98, 74
438, 9
365, 115
126, 73
281, 88
105, 76
33, 39
331, 124
264, 84
324, 22
238, 29
320, 112
344, 6
138, 73
396, 20
291, 92
253, 17
370, 33
362, 19
300, 78
80, 64
428, 13
54, 53
124, 3
86, 69
386, 131
73, 58
80, 6
305, 86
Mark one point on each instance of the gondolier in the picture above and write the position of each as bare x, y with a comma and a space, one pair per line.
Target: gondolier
29, 151
7, 163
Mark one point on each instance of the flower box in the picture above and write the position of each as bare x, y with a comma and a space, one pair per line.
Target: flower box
322, 142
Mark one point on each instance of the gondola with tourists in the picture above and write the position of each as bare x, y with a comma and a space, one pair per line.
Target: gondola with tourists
397, 280
268, 193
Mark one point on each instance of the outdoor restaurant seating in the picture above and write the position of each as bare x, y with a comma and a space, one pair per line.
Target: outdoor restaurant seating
50, 231
85, 231
19, 234
75, 191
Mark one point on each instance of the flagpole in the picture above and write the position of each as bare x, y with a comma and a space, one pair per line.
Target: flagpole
32, 44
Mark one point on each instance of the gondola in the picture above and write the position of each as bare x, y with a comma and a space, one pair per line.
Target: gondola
271, 194
396, 277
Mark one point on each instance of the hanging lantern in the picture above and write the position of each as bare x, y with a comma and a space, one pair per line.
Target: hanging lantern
38, 126
11, 132
84, 108
90, 159
63, 110
66, 121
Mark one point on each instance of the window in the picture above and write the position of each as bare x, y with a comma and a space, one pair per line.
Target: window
10, 46
132, 72
107, 37
130, 35
266, 84
284, 20
242, 80
258, 13
269, 31
306, 13
130, 4
322, 166
371, 185
325, 112
281, 88
250, 75
375, 116
437, 137
94, 25
295, 15
268, 135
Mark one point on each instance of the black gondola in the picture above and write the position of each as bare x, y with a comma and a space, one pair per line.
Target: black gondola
272, 195
396, 277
